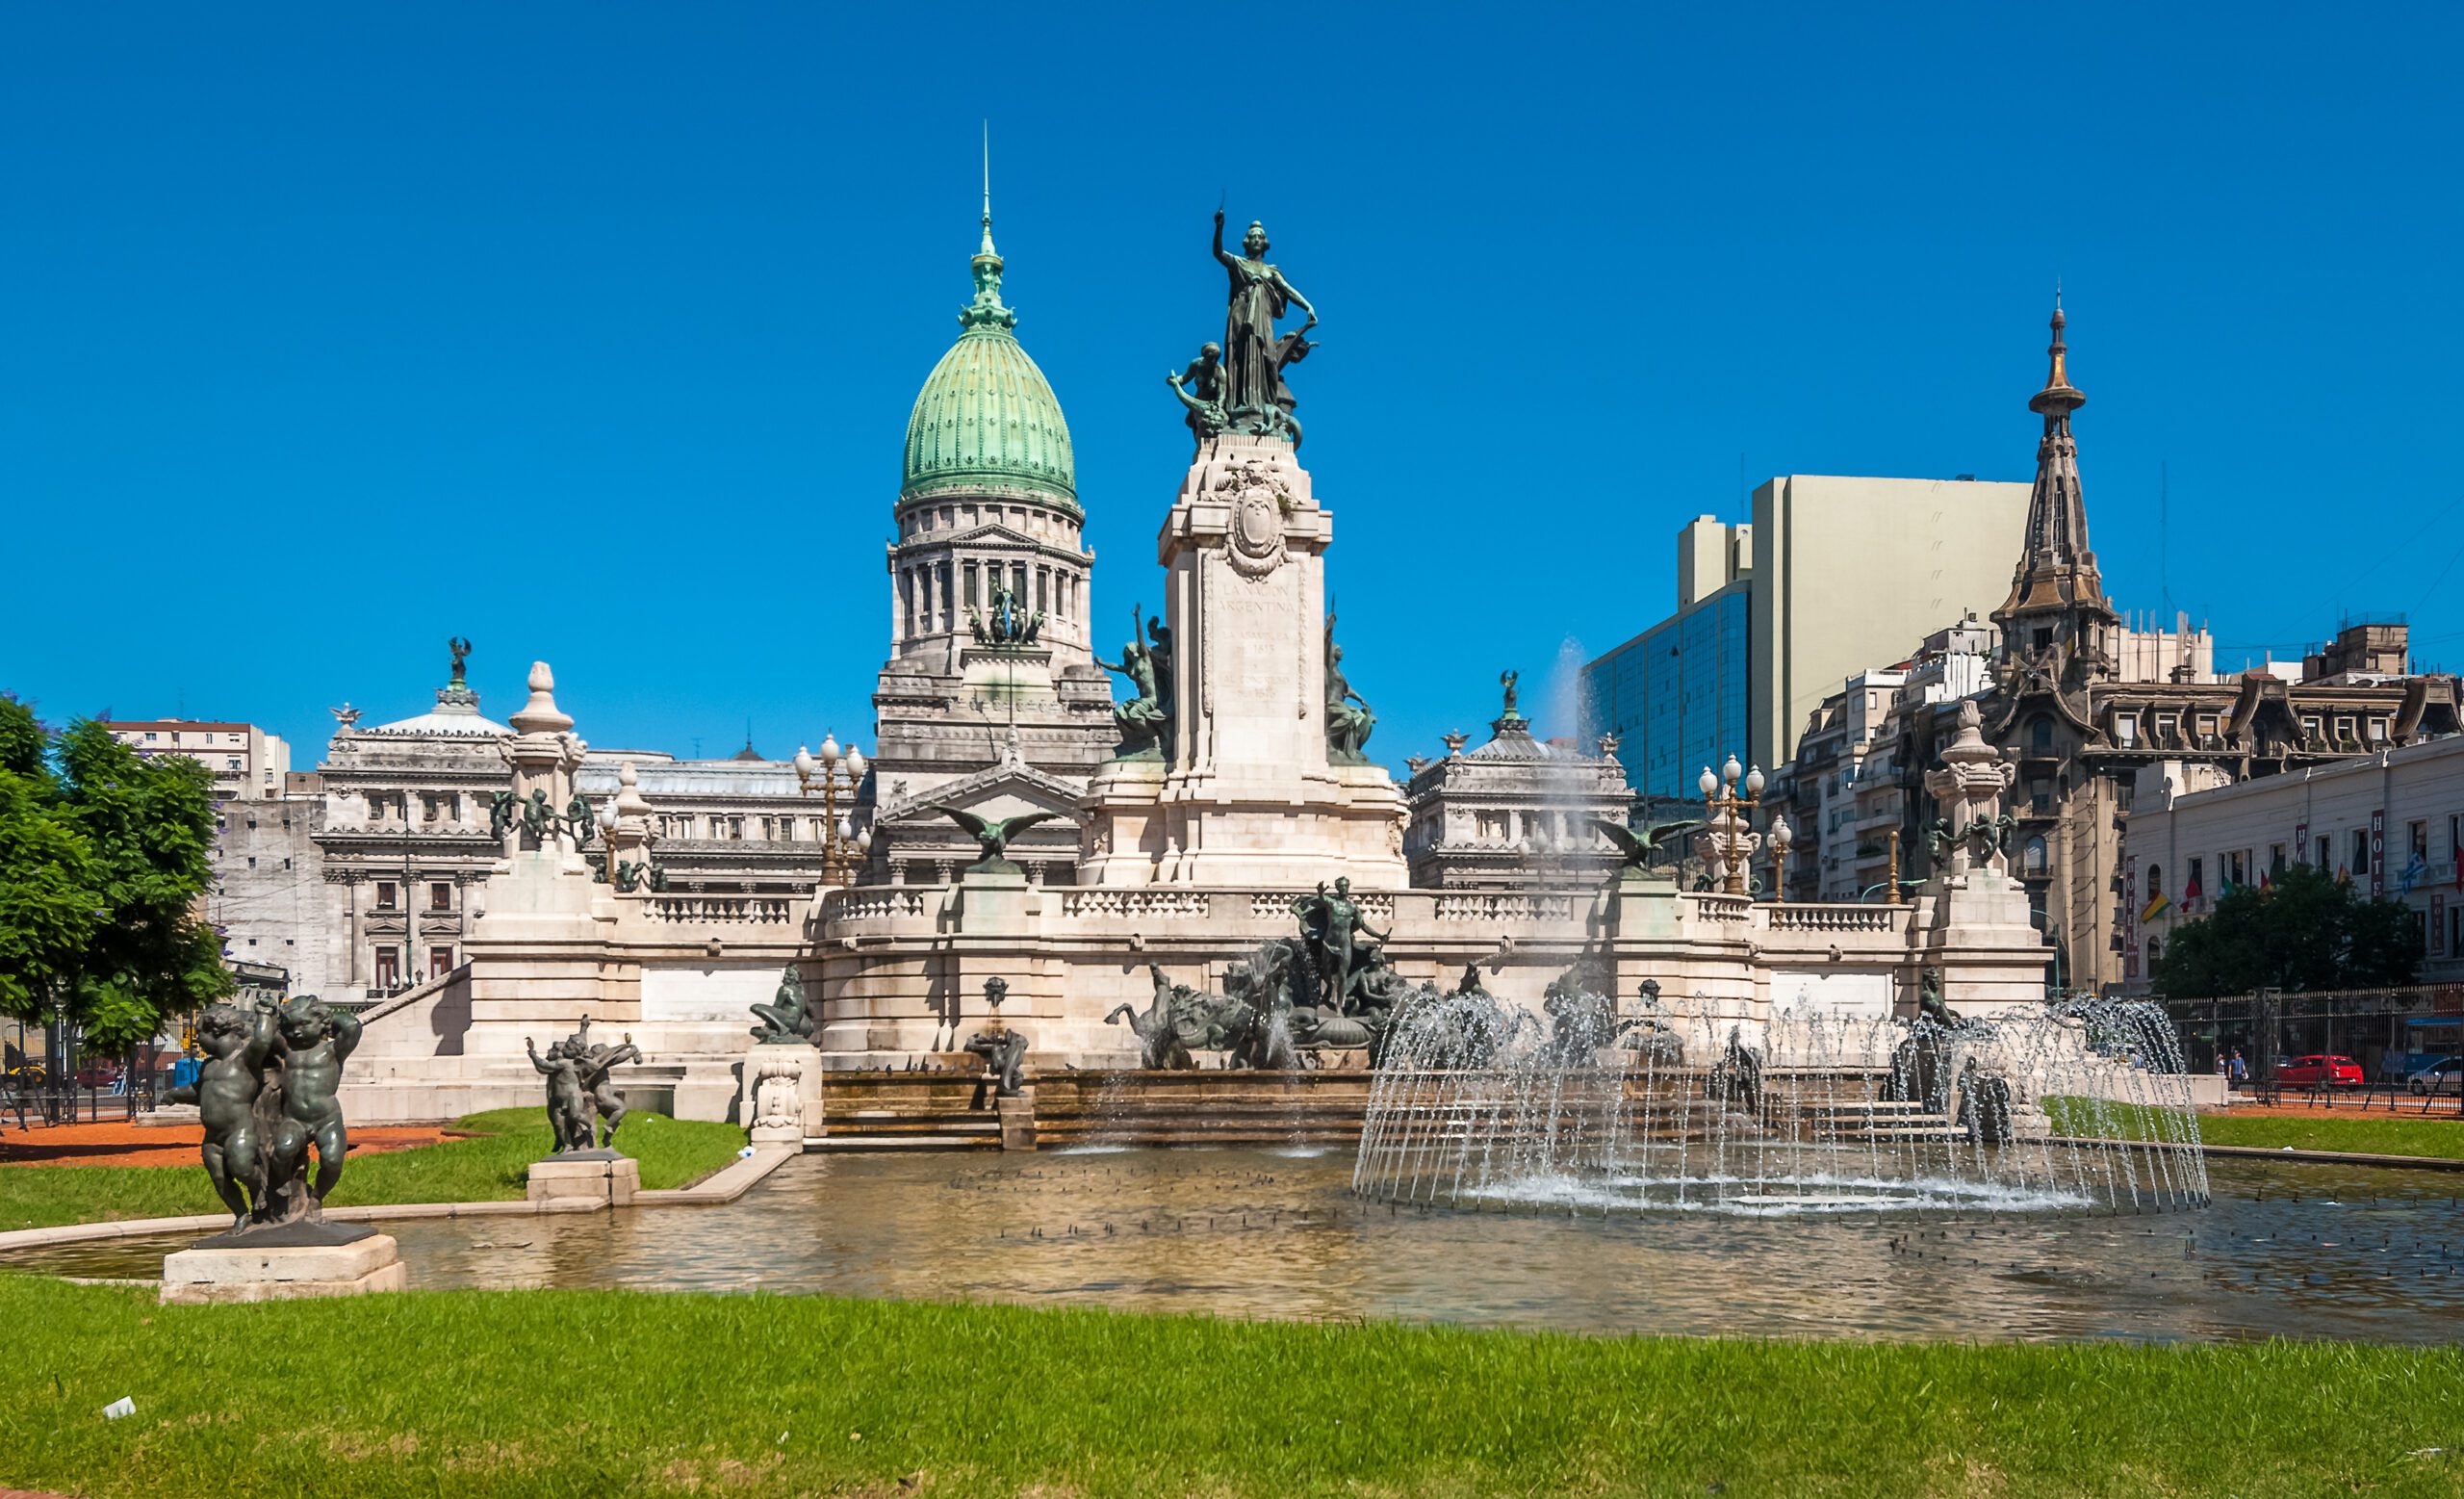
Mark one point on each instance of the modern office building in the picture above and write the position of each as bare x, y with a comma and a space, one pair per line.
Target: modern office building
1831, 575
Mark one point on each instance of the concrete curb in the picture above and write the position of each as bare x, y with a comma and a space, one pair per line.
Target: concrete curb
2261, 1152
721, 1187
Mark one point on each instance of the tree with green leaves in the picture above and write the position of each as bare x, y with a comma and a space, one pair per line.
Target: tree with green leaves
2304, 930
104, 855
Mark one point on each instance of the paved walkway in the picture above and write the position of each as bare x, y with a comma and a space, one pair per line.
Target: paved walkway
119, 1143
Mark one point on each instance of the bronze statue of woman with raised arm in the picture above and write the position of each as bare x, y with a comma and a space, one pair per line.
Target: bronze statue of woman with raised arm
1259, 295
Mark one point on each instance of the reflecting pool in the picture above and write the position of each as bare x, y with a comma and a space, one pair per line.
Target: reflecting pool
2291, 1250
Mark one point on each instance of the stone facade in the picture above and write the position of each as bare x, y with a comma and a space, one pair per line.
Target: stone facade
404, 842
1515, 813
988, 501
270, 896
1852, 787
2391, 822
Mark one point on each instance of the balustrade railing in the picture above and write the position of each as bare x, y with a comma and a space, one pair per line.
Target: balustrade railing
1501, 906
1103, 902
864, 905
722, 910
1837, 918
1723, 908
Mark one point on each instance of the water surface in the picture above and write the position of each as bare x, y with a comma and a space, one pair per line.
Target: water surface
2291, 1250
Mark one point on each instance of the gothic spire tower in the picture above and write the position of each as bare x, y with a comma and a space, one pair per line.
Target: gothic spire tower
2056, 627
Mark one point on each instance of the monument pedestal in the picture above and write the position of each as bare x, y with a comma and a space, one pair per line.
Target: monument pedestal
1247, 793
582, 1181
275, 1270
781, 1099
1017, 1120
1983, 936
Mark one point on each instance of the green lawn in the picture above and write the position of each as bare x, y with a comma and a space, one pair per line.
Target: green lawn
539, 1393
2377, 1133
489, 1166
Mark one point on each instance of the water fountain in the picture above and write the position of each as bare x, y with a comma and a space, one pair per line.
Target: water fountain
1816, 1109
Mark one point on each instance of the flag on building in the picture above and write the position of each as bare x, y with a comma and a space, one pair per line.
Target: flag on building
2155, 908
2191, 893
2416, 871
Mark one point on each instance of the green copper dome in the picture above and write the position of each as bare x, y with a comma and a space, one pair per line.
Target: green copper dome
986, 421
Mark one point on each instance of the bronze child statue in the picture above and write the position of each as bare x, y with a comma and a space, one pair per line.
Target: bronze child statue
317, 1039
237, 1048
568, 1112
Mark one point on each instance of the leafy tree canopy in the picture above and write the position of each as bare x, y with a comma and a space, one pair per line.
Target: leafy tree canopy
103, 857
2304, 931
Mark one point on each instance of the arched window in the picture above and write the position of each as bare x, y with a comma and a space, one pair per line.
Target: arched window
2155, 950
2033, 861
2155, 880
2041, 736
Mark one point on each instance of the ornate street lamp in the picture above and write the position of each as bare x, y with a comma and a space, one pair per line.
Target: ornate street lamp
838, 862
1726, 837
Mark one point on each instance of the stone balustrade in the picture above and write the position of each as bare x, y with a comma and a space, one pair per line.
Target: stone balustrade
1101, 901
721, 909
874, 904
1721, 908
1835, 918
1498, 905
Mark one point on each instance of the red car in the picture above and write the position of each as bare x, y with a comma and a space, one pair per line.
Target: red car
2335, 1072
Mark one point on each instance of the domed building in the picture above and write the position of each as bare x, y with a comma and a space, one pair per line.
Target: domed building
990, 698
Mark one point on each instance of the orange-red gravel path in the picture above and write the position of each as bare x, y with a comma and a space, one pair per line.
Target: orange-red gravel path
119, 1143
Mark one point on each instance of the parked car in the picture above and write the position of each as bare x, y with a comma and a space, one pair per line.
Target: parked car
2336, 1072
2444, 1076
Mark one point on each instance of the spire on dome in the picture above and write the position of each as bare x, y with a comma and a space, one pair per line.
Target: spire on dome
987, 310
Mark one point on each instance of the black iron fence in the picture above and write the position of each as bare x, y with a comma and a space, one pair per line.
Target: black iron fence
2397, 1037
31, 1094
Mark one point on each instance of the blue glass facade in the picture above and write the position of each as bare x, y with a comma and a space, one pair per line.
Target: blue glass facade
1675, 696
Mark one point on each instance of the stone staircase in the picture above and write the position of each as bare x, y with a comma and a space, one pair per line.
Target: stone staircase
904, 1111
1153, 1108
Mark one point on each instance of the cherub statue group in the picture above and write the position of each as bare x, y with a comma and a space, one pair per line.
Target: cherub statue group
580, 1094
269, 1090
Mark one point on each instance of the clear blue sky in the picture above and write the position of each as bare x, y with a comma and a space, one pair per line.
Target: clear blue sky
590, 332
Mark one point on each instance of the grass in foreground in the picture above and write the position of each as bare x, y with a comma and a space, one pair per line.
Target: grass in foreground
543, 1393
2373, 1134
485, 1167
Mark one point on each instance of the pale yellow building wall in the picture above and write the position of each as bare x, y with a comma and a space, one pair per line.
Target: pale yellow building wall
1709, 556
1852, 573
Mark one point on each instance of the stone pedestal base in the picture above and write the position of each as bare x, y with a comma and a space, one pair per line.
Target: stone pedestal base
781, 1099
196, 1277
585, 1179
1017, 1120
